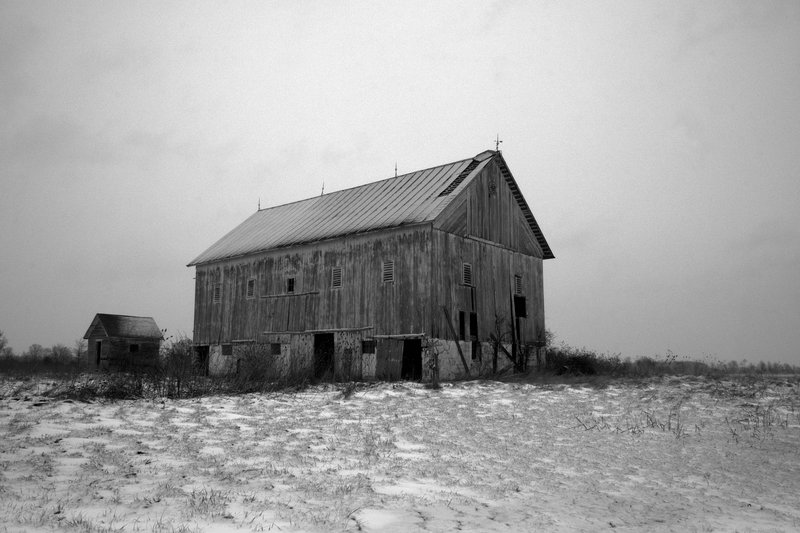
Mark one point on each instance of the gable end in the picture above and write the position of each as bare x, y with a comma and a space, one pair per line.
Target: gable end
548, 253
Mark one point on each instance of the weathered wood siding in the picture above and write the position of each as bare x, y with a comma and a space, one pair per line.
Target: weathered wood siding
389, 356
492, 289
488, 210
115, 353
363, 301
486, 229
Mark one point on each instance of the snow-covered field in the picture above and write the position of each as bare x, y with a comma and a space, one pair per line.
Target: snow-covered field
666, 455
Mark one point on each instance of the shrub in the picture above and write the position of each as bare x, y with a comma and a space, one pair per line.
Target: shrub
254, 370
178, 374
566, 360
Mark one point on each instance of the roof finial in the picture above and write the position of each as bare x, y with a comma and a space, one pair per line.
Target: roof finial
395, 169
323, 188
259, 203
497, 142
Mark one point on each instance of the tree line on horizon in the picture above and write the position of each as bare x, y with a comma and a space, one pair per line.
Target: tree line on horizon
56, 356
560, 359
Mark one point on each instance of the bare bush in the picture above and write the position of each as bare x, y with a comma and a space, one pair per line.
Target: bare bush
255, 368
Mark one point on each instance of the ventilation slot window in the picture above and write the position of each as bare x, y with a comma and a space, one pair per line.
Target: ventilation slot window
251, 288
517, 284
456, 182
217, 293
336, 277
289, 285
388, 271
466, 274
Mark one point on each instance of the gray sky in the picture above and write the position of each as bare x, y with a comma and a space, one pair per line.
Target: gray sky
656, 142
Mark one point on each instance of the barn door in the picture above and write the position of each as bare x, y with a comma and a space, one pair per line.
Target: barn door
389, 356
412, 360
323, 356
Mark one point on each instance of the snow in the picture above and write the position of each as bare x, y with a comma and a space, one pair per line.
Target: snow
657, 455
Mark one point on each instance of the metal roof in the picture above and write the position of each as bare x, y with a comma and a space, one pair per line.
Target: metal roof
400, 201
138, 327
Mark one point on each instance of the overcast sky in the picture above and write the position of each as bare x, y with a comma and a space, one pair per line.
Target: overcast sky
657, 143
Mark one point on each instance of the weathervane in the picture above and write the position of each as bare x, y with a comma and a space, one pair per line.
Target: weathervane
497, 142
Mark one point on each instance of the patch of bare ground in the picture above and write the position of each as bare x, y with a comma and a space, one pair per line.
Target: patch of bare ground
662, 454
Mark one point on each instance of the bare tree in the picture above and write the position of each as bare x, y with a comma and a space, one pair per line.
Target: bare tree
61, 354
36, 352
79, 349
5, 349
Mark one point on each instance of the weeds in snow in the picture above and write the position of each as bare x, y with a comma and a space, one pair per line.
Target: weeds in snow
209, 502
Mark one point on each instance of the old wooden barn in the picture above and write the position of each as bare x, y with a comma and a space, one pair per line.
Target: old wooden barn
379, 281
122, 342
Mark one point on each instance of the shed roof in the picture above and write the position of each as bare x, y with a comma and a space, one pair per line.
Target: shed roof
399, 201
137, 327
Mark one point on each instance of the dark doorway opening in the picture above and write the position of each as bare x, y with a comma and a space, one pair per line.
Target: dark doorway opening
201, 360
323, 356
520, 306
411, 367
98, 349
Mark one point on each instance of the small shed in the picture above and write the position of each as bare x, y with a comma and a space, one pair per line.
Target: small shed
122, 342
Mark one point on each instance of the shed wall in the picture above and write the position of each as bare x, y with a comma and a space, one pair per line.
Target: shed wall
116, 353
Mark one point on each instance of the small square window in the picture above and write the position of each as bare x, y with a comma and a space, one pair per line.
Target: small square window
466, 274
227, 349
336, 277
133, 348
290, 285
251, 288
275, 348
388, 271
368, 346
